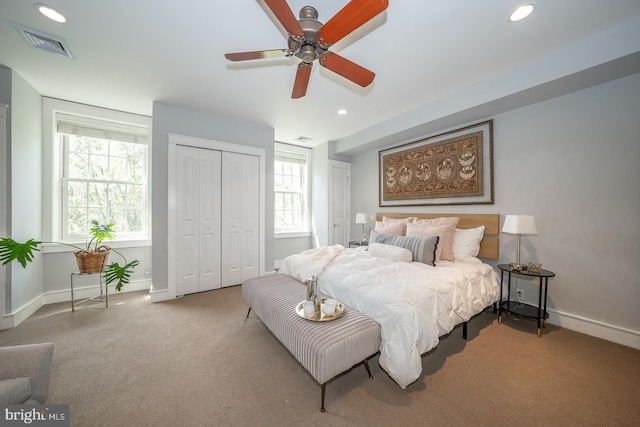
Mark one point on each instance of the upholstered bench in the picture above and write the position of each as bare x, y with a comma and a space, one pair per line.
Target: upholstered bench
325, 349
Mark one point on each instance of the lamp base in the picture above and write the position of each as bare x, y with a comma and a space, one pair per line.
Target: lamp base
514, 266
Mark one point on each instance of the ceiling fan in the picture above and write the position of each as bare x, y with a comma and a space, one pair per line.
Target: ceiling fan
309, 40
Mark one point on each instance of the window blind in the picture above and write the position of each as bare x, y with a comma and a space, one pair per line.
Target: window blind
95, 128
300, 159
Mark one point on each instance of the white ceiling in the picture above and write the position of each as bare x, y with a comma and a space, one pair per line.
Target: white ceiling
429, 57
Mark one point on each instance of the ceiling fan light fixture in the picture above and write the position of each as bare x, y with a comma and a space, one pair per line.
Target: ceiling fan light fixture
307, 54
521, 12
50, 13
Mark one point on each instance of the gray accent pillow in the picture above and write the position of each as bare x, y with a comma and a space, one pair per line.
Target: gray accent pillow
423, 249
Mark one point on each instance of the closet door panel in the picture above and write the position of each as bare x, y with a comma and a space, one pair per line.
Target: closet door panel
232, 191
187, 268
210, 217
250, 216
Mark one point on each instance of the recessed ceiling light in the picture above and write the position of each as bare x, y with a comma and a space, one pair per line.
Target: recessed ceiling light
521, 12
50, 13
342, 111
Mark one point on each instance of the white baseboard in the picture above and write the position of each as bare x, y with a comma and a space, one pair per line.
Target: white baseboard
82, 292
21, 314
591, 327
595, 328
160, 295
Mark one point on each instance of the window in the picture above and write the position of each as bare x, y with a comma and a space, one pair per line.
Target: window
291, 191
100, 171
103, 180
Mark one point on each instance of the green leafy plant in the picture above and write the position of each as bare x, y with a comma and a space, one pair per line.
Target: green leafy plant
99, 233
11, 250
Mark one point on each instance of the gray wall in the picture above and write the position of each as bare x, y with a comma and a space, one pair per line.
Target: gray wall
572, 162
25, 178
58, 267
320, 195
169, 119
285, 246
5, 191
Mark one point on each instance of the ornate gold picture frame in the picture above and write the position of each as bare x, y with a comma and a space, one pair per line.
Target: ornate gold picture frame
452, 168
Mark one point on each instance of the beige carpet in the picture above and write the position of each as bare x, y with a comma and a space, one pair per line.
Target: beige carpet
196, 361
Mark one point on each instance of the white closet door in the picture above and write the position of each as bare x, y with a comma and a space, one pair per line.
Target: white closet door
240, 217
250, 217
232, 189
210, 217
197, 220
187, 247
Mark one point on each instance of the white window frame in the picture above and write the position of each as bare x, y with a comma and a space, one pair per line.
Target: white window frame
53, 161
282, 150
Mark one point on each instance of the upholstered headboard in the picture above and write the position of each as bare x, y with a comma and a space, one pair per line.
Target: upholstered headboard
488, 245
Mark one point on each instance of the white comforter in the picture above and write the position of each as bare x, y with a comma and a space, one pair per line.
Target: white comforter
414, 303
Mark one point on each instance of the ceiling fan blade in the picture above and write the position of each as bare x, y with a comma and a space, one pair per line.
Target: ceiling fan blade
302, 80
257, 54
283, 12
349, 18
347, 69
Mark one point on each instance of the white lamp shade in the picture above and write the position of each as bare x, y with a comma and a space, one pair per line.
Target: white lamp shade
519, 224
362, 218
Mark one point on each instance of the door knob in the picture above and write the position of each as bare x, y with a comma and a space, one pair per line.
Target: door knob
335, 225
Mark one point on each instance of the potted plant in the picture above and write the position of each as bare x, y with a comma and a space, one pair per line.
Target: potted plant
91, 259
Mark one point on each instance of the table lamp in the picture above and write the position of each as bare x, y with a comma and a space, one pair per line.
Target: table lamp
519, 225
361, 218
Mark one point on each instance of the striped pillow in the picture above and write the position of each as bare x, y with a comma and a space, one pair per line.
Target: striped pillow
423, 249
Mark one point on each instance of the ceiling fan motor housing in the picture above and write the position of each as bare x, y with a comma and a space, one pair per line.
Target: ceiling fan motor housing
307, 48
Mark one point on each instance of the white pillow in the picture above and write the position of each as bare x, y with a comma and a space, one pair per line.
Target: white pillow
394, 253
466, 243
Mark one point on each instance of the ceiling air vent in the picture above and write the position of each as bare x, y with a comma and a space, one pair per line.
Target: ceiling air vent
40, 40
303, 139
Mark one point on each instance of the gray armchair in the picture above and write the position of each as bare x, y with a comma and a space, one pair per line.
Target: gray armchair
25, 372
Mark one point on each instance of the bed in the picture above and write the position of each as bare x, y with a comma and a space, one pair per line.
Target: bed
414, 301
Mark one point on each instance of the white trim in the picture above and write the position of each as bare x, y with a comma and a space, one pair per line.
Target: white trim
49, 248
595, 328
296, 152
83, 292
284, 235
21, 314
338, 164
172, 201
52, 158
209, 144
4, 206
161, 295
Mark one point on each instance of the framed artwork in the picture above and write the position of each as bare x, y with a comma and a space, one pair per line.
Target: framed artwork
453, 168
